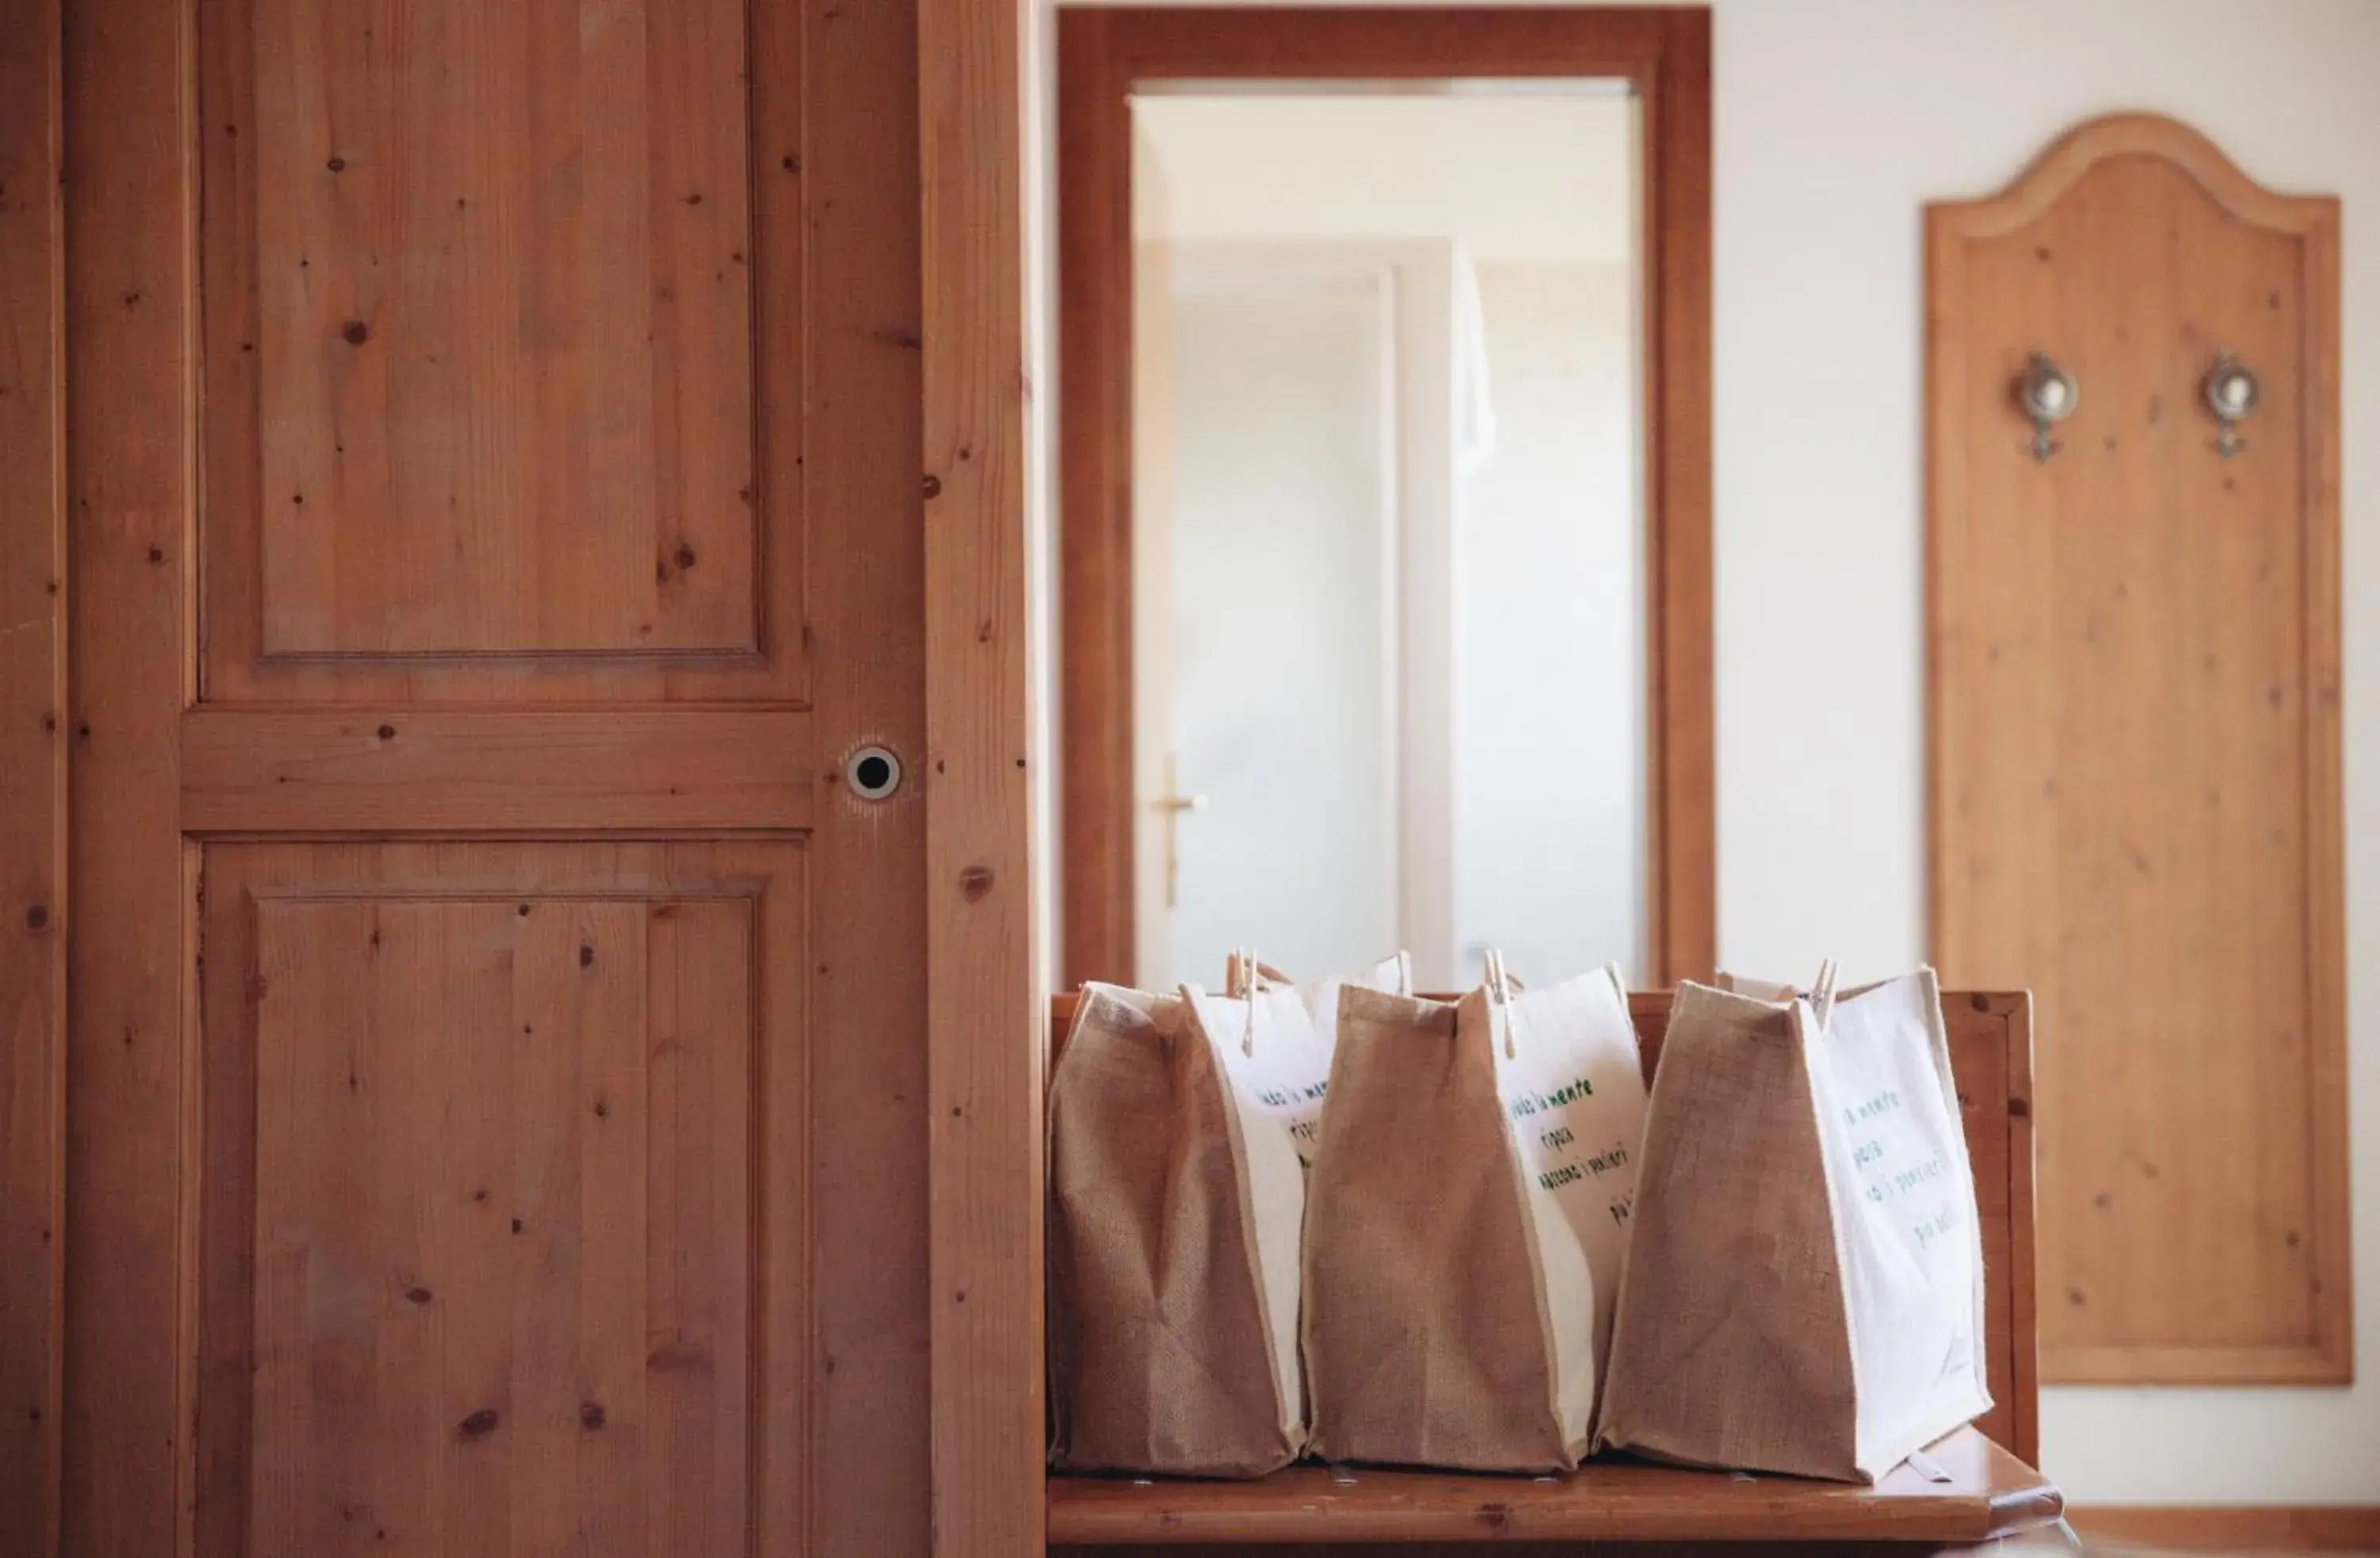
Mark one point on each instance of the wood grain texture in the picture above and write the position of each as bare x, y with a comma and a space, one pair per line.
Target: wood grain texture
575, 743
984, 1069
1664, 54
2048, 1538
504, 391
1991, 1494
493, 391
1097, 836
395, 768
32, 778
865, 1382
130, 460
2232, 1528
1682, 895
484, 1137
2134, 801
1991, 1057
2021, 1406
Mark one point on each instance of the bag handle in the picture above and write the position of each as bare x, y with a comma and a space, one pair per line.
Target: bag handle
1245, 974
1501, 985
1502, 982
1822, 992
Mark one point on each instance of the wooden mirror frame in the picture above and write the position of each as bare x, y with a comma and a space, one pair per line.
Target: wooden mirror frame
1664, 54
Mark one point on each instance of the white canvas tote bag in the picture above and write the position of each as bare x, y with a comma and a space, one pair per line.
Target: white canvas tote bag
1289, 1070
1570, 1077
1804, 1286
1269, 1040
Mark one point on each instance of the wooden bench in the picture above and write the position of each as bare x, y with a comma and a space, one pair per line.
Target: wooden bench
1992, 1493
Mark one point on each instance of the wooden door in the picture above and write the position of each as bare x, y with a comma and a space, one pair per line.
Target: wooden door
498, 1045
2135, 791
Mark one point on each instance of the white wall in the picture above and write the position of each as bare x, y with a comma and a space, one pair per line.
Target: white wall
1341, 166
1836, 119
1549, 656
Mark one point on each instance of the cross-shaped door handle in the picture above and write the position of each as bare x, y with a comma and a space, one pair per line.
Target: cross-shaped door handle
1173, 804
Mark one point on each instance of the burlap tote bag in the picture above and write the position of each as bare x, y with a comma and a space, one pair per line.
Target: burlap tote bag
1176, 1200
1466, 1222
1162, 1357
1805, 1287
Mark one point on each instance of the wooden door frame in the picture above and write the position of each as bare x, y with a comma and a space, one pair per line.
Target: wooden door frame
986, 1007
32, 774
1664, 54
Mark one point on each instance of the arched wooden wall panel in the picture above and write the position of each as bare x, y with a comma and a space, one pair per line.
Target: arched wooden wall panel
2135, 777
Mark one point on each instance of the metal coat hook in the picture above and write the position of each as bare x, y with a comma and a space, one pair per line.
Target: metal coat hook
2047, 393
2232, 391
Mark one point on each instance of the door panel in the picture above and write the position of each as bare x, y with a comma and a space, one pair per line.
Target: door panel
479, 1140
503, 310
492, 1157
502, 386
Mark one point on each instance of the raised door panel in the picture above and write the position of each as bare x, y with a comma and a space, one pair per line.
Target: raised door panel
502, 307
498, 1140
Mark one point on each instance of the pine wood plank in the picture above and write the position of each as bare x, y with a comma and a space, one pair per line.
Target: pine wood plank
694, 986
1682, 895
2020, 1426
1991, 1494
983, 970
2041, 1539
1093, 192
2135, 793
397, 768
130, 463
859, 1380
2232, 1527
33, 777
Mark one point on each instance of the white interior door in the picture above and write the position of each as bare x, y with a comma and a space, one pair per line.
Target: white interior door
1389, 576
1284, 664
